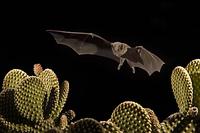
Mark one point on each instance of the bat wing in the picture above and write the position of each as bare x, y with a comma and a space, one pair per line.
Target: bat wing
84, 43
144, 59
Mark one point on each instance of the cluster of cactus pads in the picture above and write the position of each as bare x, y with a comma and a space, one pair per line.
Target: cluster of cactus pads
34, 104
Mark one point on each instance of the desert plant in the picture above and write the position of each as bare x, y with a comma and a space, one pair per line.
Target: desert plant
34, 104
186, 88
31, 103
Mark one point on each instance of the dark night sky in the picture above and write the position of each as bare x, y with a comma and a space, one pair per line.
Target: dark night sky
168, 29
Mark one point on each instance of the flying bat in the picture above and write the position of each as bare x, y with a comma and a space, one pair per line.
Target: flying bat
93, 44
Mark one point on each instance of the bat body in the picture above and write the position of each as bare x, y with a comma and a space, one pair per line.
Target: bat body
89, 43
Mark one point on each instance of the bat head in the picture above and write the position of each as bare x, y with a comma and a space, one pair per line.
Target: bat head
119, 48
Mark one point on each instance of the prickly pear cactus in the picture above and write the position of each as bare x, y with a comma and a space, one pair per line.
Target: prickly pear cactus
186, 88
178, 123
86, 125
182, 88
32, 103
110, 127
127, 117
193, 69
154, 120
131, 117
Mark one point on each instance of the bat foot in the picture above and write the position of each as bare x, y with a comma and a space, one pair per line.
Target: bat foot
119, 66
133, 70
121, 62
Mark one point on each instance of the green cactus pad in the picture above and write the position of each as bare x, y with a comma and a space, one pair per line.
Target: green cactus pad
193, 69
131, 117
86, 125
44, 125
6, 127
154, 120
64, 90
13, 78
49, 79
25, 100
52, 103
110, 127
190, 128
51, 83
193, 66
182, 88
7, 104
29, 98
178, 123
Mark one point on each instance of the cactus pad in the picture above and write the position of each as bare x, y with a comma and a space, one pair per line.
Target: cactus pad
51, 83
7, 104
23, 101
193, 69
154, 120
64, 90
6, 126
86, 125
178, 123
110, 127
131, 117
182, 88
29, 98
13, 78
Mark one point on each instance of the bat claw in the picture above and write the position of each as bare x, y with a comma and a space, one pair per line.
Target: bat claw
121, 62
133, 70
119, 66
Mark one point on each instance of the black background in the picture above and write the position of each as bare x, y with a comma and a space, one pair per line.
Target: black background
168, 29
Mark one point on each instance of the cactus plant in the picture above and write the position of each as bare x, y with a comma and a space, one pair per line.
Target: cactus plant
86, 125
186, 87
131, 117
31, 103
34, 104
110, 127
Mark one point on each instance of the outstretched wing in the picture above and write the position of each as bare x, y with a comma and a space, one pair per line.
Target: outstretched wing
144, 59
84, 43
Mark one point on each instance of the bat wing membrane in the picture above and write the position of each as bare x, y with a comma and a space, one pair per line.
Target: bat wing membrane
84, 43
144, 59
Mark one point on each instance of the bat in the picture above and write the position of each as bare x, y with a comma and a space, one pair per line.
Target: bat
89, 43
